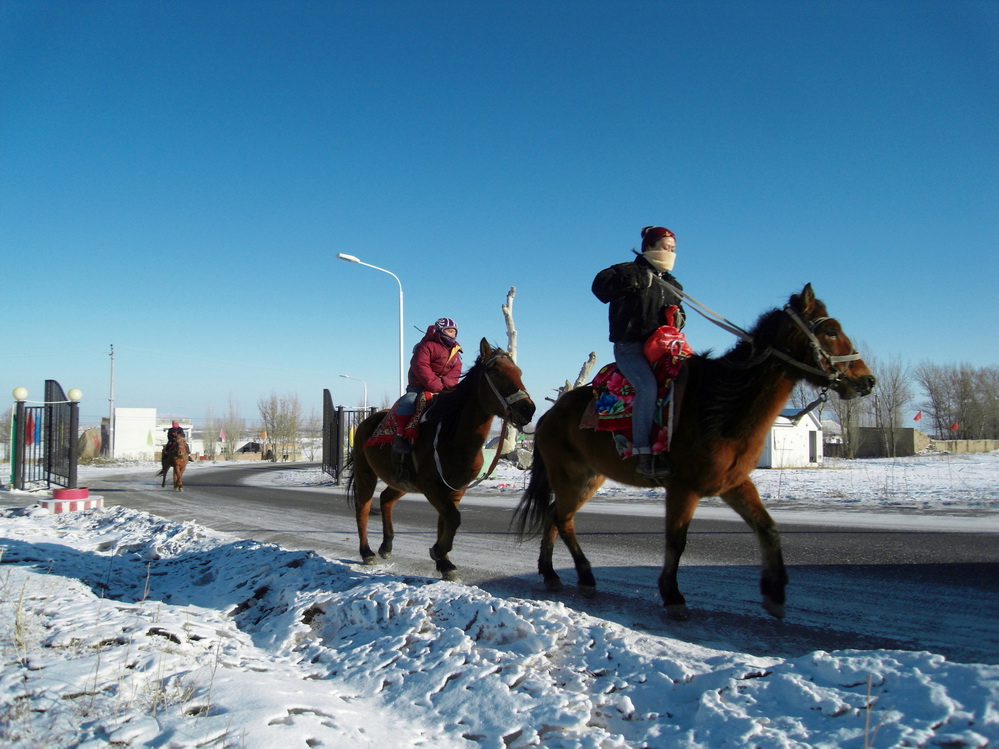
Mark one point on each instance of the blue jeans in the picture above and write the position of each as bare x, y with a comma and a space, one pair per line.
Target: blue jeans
407, 403
635, 367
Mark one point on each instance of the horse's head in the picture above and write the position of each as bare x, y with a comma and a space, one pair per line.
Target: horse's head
503, 387
820, 348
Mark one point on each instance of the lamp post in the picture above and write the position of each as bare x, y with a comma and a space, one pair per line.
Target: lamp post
75, 395
402, 371
363, 383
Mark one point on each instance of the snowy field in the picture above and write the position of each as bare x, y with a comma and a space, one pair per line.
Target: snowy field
119, 628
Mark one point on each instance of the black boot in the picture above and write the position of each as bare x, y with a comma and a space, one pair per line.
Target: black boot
656, 466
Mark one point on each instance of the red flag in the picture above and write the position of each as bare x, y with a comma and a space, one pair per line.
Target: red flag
953, 427
222, 434
918, 416
29, 434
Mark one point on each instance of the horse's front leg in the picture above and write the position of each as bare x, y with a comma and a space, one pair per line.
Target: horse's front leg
745, 500
680, 506
386, 502
448, 521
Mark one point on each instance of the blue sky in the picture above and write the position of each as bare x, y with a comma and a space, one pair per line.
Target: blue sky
176, 179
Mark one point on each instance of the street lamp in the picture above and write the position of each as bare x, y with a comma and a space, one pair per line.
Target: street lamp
402, 370
363, 383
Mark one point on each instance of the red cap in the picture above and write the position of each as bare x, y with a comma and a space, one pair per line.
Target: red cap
652, 234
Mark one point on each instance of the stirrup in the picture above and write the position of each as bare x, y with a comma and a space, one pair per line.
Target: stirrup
654, 466
401, 445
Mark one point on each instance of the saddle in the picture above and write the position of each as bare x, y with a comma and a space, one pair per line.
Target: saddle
386, 430
610, 410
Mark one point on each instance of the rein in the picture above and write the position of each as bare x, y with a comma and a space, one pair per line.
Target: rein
833, 375
506, 402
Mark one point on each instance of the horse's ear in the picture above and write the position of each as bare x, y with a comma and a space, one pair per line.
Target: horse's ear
806, 300
485, 349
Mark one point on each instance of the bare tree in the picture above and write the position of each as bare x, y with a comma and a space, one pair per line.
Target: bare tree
582, 378
891, 397
281, 420
508, 440
312, 431
210, 434
233, 426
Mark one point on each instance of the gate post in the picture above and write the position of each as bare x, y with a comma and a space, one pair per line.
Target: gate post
17, 458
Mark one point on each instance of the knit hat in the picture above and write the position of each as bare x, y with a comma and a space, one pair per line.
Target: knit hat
652, 234
444, 323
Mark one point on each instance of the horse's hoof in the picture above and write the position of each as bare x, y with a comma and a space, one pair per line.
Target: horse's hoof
775, 610
587, 591
369, 561
433, 555
553, 584
384, 554
678, 612
450, 576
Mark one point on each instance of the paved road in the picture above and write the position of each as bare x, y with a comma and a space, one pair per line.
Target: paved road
850, 587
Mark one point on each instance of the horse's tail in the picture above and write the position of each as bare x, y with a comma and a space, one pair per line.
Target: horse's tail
529, 517
351, 489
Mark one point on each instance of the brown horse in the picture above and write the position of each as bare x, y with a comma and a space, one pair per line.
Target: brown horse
177, 460
727, 409
447, 454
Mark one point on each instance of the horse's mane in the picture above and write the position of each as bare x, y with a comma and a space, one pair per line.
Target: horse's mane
728, 382
446, 407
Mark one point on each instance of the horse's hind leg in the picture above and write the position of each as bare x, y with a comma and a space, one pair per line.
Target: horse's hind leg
545, 566
386, 502
745, 500
363, 487
571, 493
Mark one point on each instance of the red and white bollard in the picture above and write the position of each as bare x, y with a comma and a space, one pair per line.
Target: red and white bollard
71, 500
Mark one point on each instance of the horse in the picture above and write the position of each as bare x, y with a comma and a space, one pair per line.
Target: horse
726, 410
447, 453
177, 460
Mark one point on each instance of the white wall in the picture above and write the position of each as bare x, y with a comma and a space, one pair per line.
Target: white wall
135, 434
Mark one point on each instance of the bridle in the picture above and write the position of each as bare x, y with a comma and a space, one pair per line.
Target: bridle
505, 400
828, 363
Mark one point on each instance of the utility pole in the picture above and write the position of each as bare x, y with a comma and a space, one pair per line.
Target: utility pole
111, 410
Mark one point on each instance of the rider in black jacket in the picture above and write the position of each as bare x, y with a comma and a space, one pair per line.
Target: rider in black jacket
638, 297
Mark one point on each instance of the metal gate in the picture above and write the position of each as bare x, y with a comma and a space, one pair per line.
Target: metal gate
46, 441
339, 424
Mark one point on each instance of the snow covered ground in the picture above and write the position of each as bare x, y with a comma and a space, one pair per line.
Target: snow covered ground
121, 628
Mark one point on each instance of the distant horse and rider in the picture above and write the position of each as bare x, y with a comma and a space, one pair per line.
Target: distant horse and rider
727, 407
175, 457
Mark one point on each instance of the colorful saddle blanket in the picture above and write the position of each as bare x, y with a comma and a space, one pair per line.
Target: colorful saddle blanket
386, 430
610, 409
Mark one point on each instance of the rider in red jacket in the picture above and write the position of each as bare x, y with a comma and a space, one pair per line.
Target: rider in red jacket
435, 366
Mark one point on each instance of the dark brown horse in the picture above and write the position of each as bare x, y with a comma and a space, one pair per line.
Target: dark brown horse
177, 460
726, 411
447, 454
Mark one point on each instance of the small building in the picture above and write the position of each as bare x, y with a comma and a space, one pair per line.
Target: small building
793, 443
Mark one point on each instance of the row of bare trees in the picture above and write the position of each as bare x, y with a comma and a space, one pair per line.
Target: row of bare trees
282, 429
952, 402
